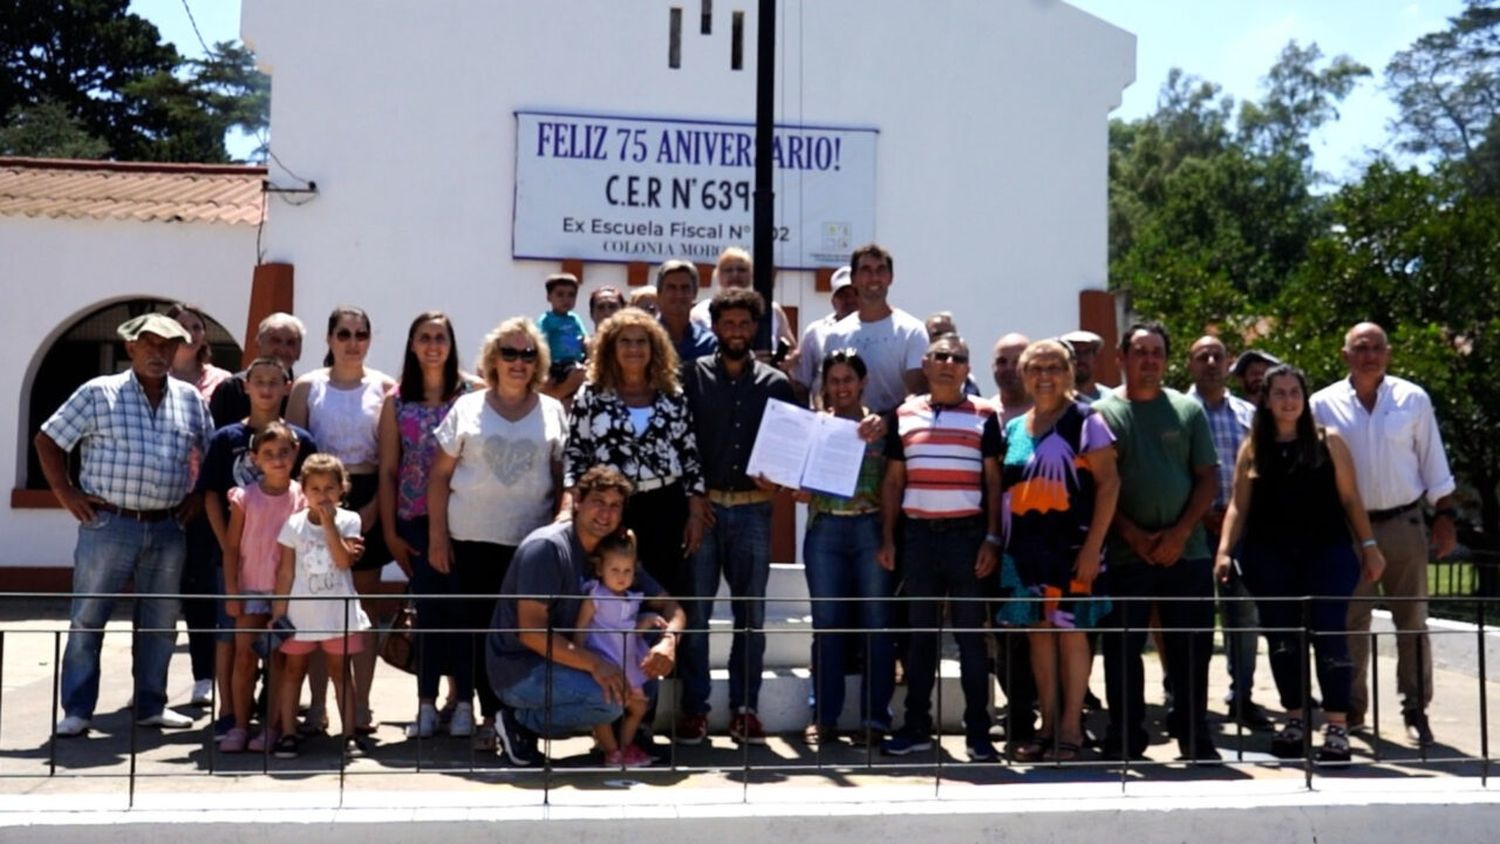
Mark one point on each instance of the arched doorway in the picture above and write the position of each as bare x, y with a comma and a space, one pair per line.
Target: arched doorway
89, 348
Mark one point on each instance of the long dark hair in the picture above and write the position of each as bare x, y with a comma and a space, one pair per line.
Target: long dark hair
412, 389
1307, 449
337, 314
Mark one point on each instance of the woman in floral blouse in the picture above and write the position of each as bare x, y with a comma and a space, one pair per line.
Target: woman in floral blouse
631, 415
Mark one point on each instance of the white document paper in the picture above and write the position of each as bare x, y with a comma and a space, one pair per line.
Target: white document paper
800, 449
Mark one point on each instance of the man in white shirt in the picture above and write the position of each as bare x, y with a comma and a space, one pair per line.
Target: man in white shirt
804, 365
1392, 433
892, 342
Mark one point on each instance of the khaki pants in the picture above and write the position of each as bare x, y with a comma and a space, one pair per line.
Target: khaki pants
1403, 541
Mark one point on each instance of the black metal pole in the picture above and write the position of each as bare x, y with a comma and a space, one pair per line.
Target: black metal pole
765, 196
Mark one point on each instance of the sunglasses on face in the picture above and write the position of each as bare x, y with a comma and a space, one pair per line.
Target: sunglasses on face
950, 357
508, 354
343, 335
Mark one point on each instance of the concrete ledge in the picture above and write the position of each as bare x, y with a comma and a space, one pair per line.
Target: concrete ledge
1454, 811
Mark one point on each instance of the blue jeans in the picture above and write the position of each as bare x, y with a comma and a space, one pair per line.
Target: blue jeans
1294, 571
739, 546
839, 553
574, 702
937, 562
112, 550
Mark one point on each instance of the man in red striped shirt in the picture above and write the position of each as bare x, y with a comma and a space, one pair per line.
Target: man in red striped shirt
943, 474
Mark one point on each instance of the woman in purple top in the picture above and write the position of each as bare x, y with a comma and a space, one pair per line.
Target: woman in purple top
430, 383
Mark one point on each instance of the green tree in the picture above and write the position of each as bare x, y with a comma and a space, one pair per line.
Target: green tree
48, 130
1447, 84
116, 81
1300, 98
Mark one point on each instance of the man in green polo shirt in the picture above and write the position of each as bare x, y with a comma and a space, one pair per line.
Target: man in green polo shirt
1157, 549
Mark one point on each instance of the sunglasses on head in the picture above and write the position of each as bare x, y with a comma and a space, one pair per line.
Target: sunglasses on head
844, 355
949, 357
528, 354
344, 335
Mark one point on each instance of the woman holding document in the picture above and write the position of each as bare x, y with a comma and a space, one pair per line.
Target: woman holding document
843, 535
1060, 492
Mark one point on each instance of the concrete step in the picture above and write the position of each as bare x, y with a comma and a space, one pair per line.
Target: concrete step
784, 694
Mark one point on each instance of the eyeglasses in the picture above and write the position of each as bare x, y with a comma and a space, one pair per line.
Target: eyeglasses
343, 335
1049, 369
949, 357
527, 354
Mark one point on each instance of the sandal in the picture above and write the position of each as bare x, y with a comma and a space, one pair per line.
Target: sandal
1064, 751
1032, 749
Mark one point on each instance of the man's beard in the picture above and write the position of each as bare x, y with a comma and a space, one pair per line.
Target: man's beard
733, 353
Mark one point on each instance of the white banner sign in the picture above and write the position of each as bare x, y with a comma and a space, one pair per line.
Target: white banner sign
645, 189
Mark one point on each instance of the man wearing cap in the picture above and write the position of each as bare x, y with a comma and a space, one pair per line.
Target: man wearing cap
1229, 423
1085, 346
803, 365
136, 432
1393, 436
1250, 368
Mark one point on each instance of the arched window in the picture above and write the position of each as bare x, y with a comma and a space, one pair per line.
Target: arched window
89, 348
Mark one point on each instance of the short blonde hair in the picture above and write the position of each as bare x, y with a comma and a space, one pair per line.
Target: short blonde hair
640, 294
604, 371
489, 352
1048, 349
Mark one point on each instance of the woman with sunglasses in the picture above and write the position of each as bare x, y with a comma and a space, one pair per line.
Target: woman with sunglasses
1294, 516
430, 383
496, 476
340, 404
843, 535
1060, 489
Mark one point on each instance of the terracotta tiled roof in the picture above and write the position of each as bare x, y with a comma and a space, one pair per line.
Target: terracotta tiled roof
170, 193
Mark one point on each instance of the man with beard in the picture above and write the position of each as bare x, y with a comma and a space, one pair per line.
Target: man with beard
1250, 368
727, 392
1085, 346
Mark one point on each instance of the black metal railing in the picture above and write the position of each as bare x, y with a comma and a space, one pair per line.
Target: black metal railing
26, 744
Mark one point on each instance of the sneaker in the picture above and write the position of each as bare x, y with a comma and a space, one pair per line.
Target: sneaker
632, 756
615, 758
234, 741
72, 727
287, 747
1417, 728
904, 742
203, 693
356, 747
691, 729
263, 740
1287, 743
425, 724
462, 723
981, 750
745, 728
1335, 747
517, 742
166, 719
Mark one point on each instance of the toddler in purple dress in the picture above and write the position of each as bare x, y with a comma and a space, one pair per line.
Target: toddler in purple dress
609, 625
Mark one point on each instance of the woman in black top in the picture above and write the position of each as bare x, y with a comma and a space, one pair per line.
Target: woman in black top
1295, 505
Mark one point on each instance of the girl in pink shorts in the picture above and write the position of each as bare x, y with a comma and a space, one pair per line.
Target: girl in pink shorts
317, 554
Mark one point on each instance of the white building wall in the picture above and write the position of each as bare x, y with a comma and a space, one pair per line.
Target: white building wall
55, 271
991, 158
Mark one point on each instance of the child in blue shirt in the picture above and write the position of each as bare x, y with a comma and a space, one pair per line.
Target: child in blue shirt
562, 327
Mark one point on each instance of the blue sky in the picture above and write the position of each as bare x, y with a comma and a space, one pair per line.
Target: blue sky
1231, 42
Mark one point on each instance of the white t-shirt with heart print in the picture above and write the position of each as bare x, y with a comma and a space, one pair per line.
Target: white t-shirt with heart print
502, 487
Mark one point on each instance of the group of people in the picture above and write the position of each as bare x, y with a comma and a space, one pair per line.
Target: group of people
582, 497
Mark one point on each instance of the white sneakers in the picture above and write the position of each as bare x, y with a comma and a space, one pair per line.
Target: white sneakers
203, 693
462, 723
72, 726
166, 719
425, 724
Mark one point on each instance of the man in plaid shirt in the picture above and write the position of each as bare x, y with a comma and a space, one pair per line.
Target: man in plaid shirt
136, 433
1229, 423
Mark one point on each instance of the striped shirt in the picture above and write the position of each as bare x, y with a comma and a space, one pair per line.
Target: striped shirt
133, 456
944, 448
1229, 424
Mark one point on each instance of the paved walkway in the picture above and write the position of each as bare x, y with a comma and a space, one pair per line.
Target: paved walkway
181, 768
